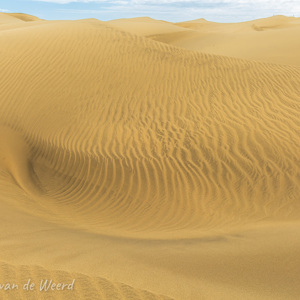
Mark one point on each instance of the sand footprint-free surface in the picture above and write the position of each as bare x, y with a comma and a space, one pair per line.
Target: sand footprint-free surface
150, 160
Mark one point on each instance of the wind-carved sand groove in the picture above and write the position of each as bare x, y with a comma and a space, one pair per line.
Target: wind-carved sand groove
15, 159
85, 287
134, 136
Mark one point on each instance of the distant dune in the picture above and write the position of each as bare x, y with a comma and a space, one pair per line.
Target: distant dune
272, 40
149, 159
23, 17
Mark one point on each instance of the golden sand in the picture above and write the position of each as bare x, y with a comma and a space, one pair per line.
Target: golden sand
150, 160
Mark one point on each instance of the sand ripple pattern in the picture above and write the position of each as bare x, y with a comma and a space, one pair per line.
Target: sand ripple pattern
132, 135
85, 287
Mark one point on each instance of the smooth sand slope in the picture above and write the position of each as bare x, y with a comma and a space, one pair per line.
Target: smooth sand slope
273, 40
145, 170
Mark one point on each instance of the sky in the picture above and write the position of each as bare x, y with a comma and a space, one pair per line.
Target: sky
168, 10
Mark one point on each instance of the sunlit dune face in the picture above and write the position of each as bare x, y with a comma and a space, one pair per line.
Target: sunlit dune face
144, 159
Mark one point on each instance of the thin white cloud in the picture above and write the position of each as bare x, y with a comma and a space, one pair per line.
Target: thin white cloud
203, 2
278, 4
4, 10
218, 10
76, 1
284, 5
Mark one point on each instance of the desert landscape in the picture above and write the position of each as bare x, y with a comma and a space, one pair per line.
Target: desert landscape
144, 159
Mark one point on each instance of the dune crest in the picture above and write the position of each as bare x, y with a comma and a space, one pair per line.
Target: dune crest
270, 40
24, 17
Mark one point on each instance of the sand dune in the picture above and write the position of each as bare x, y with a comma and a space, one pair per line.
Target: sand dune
16, 17
171, 170
272, 40
146, 26
24, 17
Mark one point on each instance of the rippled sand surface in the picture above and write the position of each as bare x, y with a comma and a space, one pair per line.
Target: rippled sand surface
150, 160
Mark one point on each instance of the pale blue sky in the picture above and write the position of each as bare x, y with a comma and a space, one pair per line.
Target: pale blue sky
169, 10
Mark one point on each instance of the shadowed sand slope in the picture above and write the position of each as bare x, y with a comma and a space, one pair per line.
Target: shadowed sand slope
153, 150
